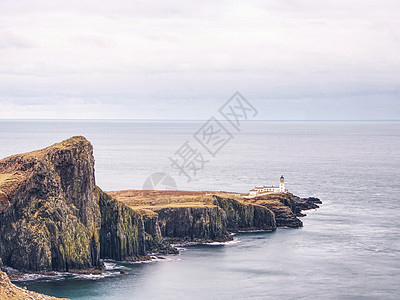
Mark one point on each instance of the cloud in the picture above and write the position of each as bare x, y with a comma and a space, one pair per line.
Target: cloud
124, 53
9, 39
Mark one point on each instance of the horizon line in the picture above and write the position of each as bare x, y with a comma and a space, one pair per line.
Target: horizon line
186, 120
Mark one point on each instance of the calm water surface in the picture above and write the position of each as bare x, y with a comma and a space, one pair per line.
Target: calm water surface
348, 249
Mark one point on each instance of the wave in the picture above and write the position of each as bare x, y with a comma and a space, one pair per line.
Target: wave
153, 259
33, 276
111, 269
256, 230
190, 244
223, 243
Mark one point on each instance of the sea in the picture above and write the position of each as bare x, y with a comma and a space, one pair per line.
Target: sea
349, 248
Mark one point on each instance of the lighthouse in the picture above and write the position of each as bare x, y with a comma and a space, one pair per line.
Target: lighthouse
264, 190
282, 185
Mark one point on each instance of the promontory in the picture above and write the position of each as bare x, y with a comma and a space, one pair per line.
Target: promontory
53, 217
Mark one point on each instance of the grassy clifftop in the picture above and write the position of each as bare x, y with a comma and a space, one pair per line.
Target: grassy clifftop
264, 212
194, 216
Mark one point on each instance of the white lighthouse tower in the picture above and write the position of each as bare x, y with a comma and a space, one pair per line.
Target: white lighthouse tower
282, 185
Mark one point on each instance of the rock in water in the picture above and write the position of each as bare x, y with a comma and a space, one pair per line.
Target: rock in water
49, 212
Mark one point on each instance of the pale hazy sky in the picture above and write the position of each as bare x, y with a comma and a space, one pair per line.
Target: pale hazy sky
298, 59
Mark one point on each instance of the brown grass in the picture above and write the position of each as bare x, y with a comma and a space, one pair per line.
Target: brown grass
154, 200
6, 178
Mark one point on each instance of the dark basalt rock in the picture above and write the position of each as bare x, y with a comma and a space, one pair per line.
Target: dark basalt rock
193, 224
287, 207
246, 217
125, 234
213, 222
153, 237
284, 208
307, 203
122, 234
51, 218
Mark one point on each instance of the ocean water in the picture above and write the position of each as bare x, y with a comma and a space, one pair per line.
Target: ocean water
347, 249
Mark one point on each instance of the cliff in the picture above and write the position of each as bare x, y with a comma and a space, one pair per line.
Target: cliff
286, 207
193, 223
153, 237
214, 220
125, 234
49, 215
175, 211
243, 216
53, 217
198, 216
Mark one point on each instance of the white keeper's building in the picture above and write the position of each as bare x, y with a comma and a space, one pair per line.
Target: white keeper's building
258, 190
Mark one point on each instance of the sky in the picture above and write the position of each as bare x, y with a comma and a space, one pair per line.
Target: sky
126, 59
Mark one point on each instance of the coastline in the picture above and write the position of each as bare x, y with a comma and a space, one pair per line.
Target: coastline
70, 226
173, 244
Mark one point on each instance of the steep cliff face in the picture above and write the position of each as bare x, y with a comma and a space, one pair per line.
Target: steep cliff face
212, 220
242, 216
122, 233
49, 215
193, 223
53, 217
153, 236
196, 216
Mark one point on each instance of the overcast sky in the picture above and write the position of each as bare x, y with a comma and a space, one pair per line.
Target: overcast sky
298, 59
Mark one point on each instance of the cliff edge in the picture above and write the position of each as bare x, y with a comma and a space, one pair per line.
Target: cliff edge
49, 215
9, 291
54, 217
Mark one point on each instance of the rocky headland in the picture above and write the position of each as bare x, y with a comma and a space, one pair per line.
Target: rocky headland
190, 216
53, 217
